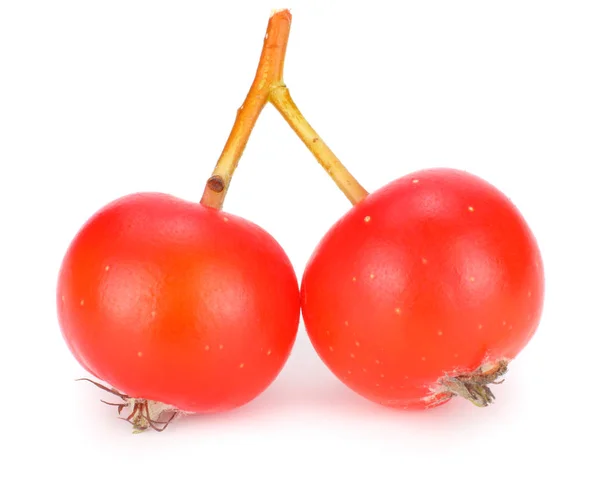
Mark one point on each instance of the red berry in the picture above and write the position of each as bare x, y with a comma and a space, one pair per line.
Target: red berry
171, 301
424, 290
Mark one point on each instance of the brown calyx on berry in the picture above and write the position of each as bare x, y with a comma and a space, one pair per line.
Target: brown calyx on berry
143, 414
473, 386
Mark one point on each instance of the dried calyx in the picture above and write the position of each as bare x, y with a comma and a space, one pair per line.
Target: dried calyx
143, 414
473, 386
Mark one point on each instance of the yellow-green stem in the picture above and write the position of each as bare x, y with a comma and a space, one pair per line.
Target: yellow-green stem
280, 98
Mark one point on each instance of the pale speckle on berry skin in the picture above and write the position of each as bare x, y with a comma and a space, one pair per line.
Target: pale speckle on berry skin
472, 279
367, 219
206, 348
354, 279
440, 333
377, 362
62, 298
377, 384
357, 343
397, 310
382, 375
415, 181
269, 352
241, 365
423, 358
107, 268
153, 314
372, 276
225, 219
345, 323
352, 355
528, 293
424, 260
349, 372
471, 209
455, 355
331, 348
140, 354
510, 327
480, 326
503, 323
220, 347
82, 302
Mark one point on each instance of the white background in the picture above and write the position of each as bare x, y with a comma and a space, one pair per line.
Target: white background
100, 99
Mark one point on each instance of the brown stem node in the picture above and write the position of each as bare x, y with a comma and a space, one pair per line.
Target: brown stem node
216, 183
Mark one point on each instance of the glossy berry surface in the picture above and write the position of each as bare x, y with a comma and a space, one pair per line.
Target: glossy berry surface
171, 301
436, 274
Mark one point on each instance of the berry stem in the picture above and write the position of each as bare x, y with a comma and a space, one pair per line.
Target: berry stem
282, 100
268, 74
268, 86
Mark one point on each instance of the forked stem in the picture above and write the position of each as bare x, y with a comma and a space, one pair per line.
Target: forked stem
268, 86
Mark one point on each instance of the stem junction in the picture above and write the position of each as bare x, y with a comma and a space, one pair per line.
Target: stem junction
268, 86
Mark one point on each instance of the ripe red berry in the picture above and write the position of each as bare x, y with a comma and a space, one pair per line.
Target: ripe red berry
424, 290
174, 302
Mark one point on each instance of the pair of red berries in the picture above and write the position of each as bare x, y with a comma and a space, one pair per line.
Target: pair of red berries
424, 290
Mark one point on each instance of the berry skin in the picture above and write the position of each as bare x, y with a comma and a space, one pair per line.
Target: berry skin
433, 277
171, 301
